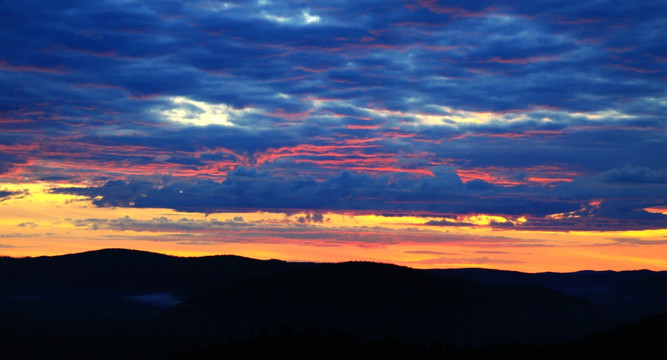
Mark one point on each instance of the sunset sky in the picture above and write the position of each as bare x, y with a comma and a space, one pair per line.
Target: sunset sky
521, 135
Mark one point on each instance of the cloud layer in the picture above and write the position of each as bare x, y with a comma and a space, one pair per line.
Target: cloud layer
553, 111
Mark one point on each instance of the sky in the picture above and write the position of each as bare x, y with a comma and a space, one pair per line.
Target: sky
520, 135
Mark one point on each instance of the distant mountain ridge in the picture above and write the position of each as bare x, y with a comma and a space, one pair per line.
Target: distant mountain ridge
631, 294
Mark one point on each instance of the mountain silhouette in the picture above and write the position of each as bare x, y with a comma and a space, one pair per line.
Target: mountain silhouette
111, 289
374, 301
630, 295
131, 270
118, 303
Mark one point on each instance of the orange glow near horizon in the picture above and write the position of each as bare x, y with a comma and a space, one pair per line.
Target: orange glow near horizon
36, 222
657, 210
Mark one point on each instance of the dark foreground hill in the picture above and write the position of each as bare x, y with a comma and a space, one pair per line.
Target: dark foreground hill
129, 304
644, 339
111, 289
374, 301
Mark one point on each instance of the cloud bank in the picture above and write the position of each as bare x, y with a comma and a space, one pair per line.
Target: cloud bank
552, 111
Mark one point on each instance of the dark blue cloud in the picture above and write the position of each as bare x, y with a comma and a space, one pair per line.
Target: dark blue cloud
441, 195
635, 174
177, 49
6, 194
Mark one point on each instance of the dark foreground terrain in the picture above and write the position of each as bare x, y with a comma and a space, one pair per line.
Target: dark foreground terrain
112, 304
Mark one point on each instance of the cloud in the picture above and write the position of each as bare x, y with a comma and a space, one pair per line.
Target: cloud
160, 224
389, 106
17, 235
6, 194
634, 174
428, 252
443, 260
637, 241
315, 218
250, 189
286, 230
441, 195
29, 224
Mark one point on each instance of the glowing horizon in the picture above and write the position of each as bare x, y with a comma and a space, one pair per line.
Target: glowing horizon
470, 241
